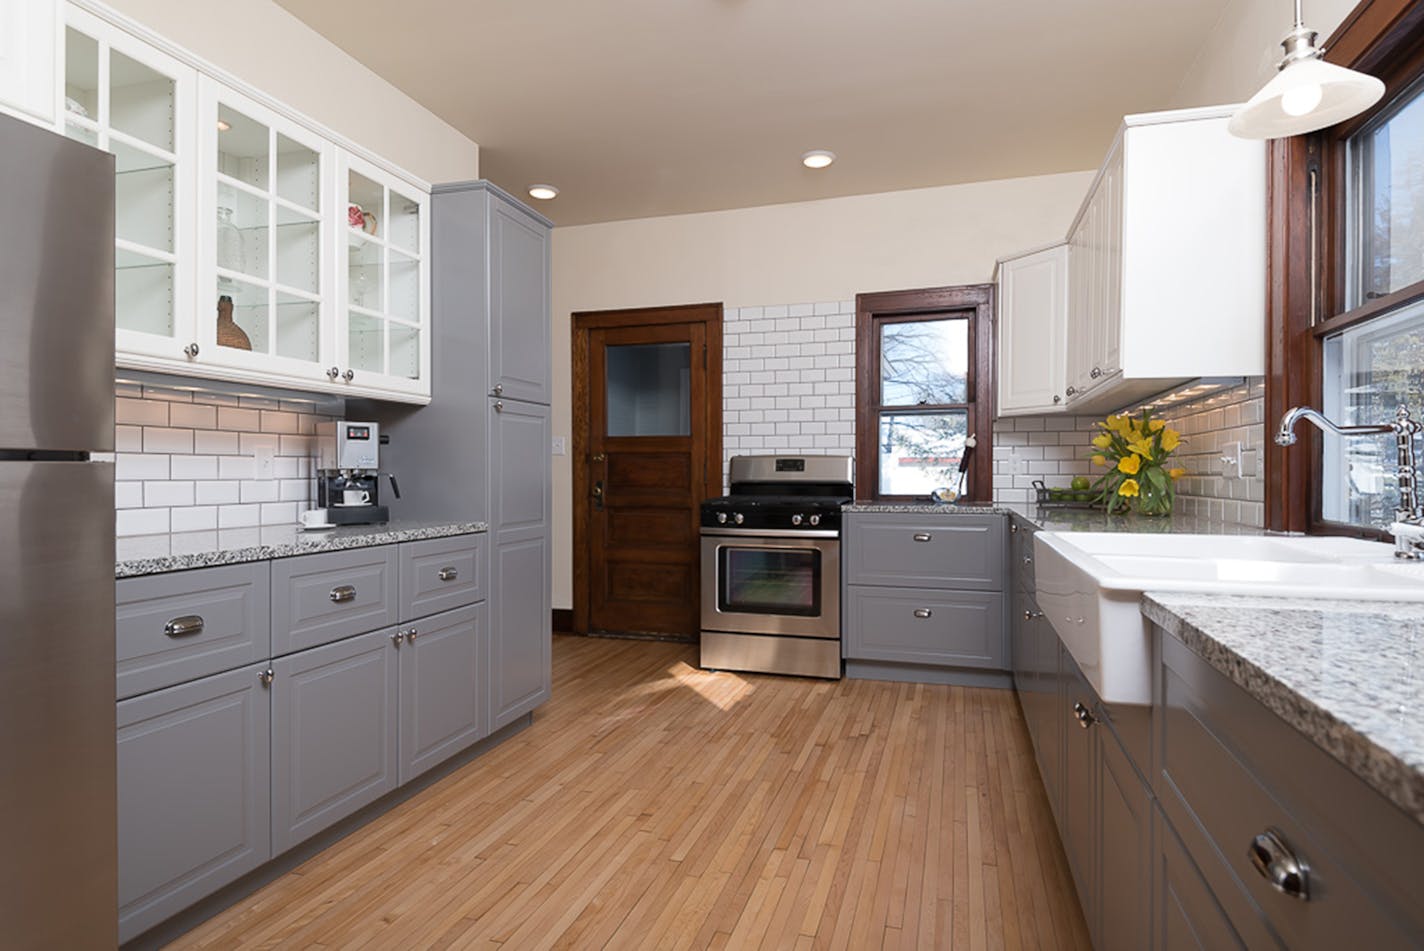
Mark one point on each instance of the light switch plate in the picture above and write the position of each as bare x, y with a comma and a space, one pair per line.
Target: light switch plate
264, 461
559, 447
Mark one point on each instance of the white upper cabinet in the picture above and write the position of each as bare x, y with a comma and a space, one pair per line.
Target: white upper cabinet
251, 245
264, 211
126, 97
1033, 324
384, 281
1167, 261
29, 61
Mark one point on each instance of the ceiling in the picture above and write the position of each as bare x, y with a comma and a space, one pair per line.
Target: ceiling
636, 108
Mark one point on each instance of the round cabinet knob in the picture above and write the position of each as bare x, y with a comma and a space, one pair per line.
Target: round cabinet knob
333, 373
739, 518
1096, 373
1057, 399
410, 636
796, 519
499, 389
349, 375
721, 518
814, 520
191, 351
1072, 390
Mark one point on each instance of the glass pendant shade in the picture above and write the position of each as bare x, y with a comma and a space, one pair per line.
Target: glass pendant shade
1306, 95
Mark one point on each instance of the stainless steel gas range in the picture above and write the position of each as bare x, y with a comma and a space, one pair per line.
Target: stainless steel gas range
771, 566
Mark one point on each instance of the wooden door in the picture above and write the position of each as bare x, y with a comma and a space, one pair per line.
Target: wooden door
647, 430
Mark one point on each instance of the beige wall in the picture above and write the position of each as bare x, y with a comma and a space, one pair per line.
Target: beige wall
267, 47
786, 254
1241, 53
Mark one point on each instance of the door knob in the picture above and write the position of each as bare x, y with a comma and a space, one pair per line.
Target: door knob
598, 490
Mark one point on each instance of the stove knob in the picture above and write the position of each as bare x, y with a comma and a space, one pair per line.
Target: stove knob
738, 518
814, 520
796, 520
721, 518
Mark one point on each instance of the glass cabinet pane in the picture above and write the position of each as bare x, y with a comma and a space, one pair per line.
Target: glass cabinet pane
404, 287
81, 75
365, 204
405, 351
298, 250
298, 174
143, 197
364, 274
143, 294
405, 223
140, 101
244, 148
241, 231
649, 389
298, 328
365, 341
247, 327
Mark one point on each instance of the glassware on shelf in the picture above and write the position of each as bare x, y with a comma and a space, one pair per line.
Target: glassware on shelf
230, 255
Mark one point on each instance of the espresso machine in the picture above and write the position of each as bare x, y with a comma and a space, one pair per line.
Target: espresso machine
348, 473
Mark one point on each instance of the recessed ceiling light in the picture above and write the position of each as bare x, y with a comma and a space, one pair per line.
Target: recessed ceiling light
818, 158
543, 192
224, 125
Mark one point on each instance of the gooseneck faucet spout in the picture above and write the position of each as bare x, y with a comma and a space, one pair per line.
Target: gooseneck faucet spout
1408, 527
1285, 436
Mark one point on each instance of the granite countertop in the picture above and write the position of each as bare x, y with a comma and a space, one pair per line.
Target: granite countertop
1056, 519
1347, 674
153, 554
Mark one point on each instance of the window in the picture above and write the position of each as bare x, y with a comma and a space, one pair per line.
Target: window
1347, 279
922, 388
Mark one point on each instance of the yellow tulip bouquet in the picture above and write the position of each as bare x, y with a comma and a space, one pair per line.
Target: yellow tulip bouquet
1135, 453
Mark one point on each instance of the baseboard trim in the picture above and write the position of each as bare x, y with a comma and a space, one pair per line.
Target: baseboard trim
915, 674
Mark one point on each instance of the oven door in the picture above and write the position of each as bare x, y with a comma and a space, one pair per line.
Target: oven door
763, 582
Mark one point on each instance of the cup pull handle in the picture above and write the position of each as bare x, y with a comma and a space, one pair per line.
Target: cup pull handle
1278, 865
923, 613
923, 536
343, 593
448, 574
185, 626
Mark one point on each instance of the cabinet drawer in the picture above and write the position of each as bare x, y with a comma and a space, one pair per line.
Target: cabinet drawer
179, 626
317, 599
937, 551
441, 574
916, 626
1228, 770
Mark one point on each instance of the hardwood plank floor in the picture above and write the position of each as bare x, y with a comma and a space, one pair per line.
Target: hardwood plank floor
652, 804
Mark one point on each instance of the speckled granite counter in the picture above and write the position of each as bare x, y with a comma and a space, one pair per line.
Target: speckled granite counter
1347, 674
154, 554
1067, 519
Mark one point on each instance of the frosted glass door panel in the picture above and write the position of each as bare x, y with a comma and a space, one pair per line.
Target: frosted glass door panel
649, 389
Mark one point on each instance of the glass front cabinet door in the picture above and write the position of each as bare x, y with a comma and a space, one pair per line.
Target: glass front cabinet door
264, 284
125, 97
384, 282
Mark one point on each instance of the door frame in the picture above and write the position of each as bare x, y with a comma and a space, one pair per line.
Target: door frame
582, 322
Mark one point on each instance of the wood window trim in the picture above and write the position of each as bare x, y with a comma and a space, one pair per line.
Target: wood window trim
1306, 258
974, 302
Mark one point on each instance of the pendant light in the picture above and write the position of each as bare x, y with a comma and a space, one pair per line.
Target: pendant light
1307, 94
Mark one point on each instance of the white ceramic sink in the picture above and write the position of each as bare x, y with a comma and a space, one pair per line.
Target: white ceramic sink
1089, 586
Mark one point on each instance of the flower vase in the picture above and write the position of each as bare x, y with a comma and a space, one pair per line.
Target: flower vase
1153, 499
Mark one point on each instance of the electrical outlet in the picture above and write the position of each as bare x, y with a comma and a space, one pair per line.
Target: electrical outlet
1250, 464
559, 447
265, 462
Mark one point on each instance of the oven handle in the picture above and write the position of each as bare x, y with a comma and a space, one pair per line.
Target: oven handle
776, 533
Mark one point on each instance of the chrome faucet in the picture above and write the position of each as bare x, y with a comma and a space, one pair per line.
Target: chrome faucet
1408, 526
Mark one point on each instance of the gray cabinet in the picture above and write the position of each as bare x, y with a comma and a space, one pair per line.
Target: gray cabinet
1124, 822
521, 639
518, 303
321, 598
180, 626
334, 737
193, 787
1187, 914
443, 709
1079, 777
924, 592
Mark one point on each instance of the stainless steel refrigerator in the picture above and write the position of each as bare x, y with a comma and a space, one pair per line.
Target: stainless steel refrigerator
57, 753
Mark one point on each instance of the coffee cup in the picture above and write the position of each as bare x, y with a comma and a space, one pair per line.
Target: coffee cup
355, 497
314, 518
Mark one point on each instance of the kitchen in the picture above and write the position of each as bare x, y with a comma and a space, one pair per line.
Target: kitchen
292, 190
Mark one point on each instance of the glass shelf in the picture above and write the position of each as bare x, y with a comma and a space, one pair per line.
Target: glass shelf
249, 312
298, 328
126, 256
365, 341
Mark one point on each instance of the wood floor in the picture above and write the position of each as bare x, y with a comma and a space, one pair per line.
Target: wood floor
655, 805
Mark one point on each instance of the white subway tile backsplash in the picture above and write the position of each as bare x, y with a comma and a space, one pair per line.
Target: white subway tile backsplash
215, 443
176, 472
156, 439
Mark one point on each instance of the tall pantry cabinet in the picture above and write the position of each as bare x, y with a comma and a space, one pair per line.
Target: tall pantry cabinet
481, 449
